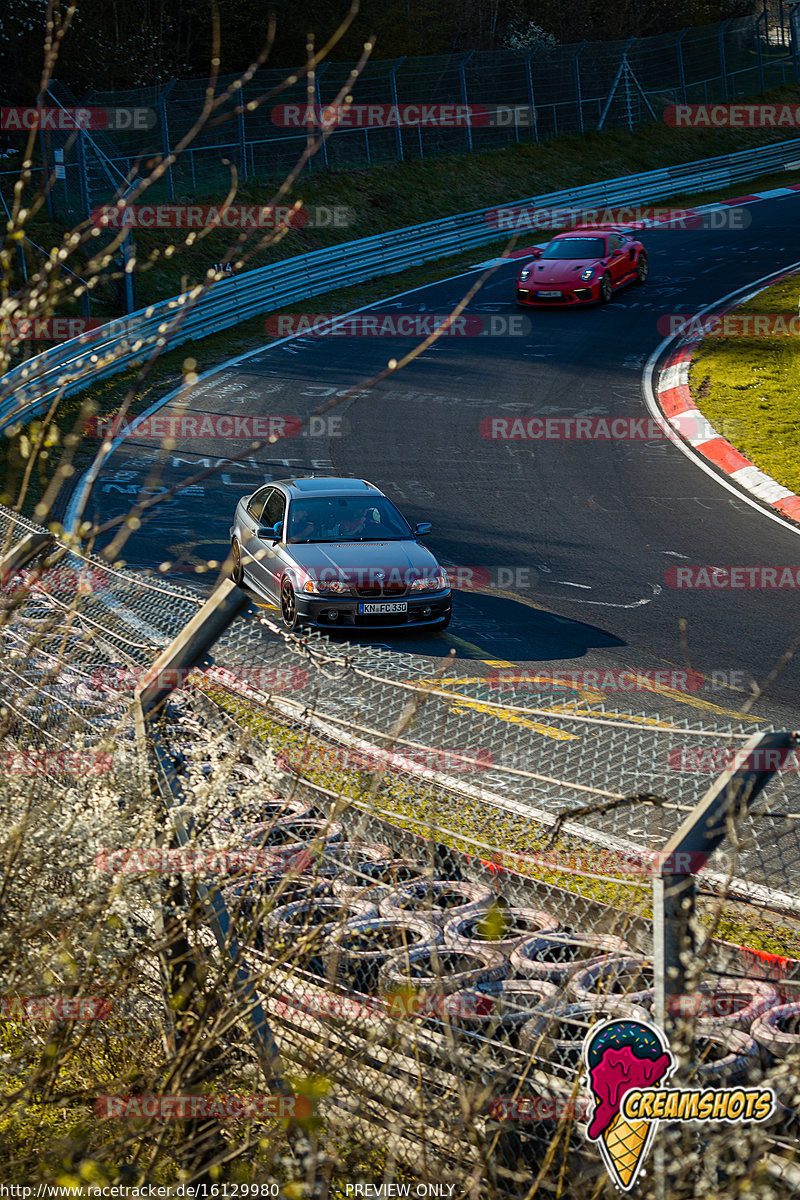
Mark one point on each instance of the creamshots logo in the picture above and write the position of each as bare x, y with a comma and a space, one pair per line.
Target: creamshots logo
627, 1064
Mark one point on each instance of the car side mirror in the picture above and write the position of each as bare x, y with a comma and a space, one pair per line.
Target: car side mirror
536, 254
422, 529
272, 533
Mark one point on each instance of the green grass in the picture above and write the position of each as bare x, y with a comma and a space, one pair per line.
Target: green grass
749, 387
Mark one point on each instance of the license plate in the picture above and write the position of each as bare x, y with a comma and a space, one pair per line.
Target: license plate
398, 606
551, 294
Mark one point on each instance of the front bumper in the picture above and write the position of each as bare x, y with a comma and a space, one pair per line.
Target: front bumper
422, 610
588, 293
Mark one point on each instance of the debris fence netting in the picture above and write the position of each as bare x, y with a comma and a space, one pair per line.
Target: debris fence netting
433, 896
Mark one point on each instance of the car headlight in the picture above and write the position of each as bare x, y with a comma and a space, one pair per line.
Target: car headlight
322, 587
525, 272
587, 274
432, 583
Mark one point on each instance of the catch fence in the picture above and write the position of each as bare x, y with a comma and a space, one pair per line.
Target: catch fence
426, 896
261, 129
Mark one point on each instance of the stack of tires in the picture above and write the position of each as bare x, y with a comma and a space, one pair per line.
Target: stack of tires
513, 977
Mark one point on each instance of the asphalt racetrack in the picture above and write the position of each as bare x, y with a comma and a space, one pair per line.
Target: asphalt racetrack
570, 542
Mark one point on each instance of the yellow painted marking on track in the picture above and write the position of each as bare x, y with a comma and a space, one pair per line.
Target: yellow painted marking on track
558, 735
462, 703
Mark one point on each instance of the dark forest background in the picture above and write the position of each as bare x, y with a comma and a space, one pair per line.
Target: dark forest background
130, 43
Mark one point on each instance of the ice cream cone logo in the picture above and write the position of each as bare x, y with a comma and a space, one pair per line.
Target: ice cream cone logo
621, 1055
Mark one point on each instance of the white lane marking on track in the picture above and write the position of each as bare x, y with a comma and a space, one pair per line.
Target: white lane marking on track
674, 554
635, 604
566, 583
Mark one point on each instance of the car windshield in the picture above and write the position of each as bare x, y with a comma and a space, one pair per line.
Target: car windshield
576, 248
346, 519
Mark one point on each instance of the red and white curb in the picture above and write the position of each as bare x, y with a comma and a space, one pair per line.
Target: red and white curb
681, 412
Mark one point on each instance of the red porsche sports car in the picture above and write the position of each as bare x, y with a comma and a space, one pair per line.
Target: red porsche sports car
584, 266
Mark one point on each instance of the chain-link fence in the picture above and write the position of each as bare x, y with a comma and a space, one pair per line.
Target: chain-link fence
263, 127
399, 908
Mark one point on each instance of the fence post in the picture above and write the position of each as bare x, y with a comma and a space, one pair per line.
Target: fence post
44, 146
688, 850
318, 103
29, 547
759, 53
166, 673
398, 133
576, 69
531, 94
794, 38
723, 29
83, 177
165, 146
464, 99
681, 70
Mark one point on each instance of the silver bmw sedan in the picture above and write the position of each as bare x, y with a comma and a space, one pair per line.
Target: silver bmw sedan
336, 553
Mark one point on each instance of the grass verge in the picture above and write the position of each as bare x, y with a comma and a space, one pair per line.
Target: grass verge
749, 387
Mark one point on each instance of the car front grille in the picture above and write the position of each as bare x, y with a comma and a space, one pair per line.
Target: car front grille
376, 593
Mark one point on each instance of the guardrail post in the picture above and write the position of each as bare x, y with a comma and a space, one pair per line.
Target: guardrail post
165, 146
681, 70
465, 101
576, 69
723, 29
687, 852
398, 133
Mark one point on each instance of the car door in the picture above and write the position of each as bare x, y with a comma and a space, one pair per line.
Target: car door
618, 264
252, 521
272, 554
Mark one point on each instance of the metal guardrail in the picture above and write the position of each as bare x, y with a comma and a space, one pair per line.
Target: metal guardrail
28, 389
